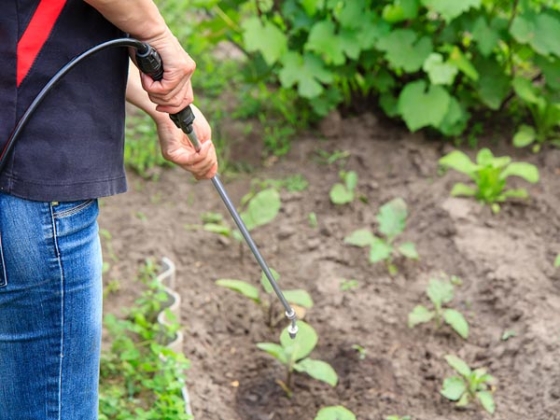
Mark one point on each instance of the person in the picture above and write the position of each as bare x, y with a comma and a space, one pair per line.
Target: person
68, 155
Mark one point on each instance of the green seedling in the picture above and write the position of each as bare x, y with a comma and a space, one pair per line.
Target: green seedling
343, 193
469, 385
545, 111
335, 412
440, 293
398, 418
392, 222
294, 355
338, 156
362, 352
266, 300
215, 223
507, 334
292, 183
261, 208
346, 285
489, 174
312, 218
557, 261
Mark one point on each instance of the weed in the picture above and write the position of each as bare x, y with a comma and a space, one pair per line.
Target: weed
557, 261
335, 412
338, 156
489, 174
469, 385
392, 222
293, 354
343, 193
140, 377
351, 284
297, 297
361, 350
440, 293
312, 218
507, 334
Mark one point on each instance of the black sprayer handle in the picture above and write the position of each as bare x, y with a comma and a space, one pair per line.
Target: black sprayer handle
149, 62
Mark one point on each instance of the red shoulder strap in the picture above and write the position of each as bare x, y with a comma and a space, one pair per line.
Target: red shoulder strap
36, 34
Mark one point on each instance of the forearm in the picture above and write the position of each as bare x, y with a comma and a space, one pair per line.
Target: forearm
140, 18
138, 97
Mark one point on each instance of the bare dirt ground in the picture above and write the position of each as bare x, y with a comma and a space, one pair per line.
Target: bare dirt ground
504, 260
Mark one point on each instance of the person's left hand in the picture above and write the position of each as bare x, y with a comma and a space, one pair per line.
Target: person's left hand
176, 147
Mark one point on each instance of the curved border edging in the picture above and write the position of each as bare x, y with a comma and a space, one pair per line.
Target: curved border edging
167, 279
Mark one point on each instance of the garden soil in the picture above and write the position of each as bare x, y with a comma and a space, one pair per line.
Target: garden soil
505, 261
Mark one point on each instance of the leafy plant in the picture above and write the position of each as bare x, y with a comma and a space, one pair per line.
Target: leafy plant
557, 261
260, 208
297, 297
336, 412
392, 222
141, 378
440, 293
362, 352
350, 284
294, 355
469, 385
545, 112
343, 193
490, 175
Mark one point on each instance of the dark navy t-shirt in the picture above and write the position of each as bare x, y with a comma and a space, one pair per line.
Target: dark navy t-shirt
72, 147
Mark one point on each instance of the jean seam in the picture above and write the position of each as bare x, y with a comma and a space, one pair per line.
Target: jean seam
73, 210
61, 348
4, 278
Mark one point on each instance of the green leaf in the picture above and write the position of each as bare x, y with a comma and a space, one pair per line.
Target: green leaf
455, 120
242, 287
453, 388
459, 162
401, 10
340, 195
527, 171
439, 292
525, 90
264, 37
408, 249
493, 83
262, 208
266, 283
336, 412
392, 218
486, 400
360, 237
275, 351
319, 370
304, 343
379, 251
306, 71
404, 50
299, 297
351, 180
525, 136
217, 228
457, 321
551, 70
449, 10
463, 190
458, 59
485, 36
540, 30
325, 42
420, 315
515, 193
420, 108
459, 365
557, 261
311, 6
439, 72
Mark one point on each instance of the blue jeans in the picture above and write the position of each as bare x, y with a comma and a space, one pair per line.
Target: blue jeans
50, 310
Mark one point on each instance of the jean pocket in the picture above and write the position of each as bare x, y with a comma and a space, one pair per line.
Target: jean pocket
3, 275
69, 208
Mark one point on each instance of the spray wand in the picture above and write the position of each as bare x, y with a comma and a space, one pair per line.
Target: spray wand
150, 63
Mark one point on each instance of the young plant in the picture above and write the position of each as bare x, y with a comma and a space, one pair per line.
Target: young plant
469, 385
545, 111
343, 193
489, 174
440, 293
392, 222
335, 412
266, 300
294, 355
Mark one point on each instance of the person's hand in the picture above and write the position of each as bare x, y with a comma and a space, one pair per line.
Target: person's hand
174, 92
176, 147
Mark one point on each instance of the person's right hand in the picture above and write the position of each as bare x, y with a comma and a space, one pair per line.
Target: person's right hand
174, 92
